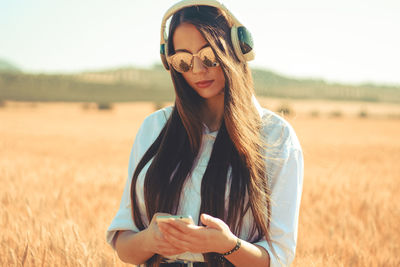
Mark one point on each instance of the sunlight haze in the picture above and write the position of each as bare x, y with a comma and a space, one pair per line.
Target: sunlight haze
342, 41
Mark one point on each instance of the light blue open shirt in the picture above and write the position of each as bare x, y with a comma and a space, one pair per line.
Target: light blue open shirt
285, 167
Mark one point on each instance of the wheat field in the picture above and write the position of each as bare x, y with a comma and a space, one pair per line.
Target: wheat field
63, 168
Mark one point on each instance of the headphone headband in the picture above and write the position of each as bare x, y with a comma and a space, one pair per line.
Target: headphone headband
239, 33
187, 3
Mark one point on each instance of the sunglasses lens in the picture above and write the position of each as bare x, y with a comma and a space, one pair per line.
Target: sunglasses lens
208, 58
182, 62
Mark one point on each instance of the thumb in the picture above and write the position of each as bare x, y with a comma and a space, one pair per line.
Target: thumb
210, 221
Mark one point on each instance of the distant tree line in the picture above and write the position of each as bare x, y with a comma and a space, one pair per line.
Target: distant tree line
134, 84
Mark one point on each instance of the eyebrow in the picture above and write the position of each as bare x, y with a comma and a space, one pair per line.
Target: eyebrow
185, 50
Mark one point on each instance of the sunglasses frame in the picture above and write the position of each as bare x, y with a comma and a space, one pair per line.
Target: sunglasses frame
170, 59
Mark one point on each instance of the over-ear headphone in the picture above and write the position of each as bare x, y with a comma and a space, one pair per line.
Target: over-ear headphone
241, 37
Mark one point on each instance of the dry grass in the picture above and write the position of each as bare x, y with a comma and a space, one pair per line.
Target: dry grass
63, 168
306, 107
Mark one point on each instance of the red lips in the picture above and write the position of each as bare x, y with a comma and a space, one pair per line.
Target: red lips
204, 83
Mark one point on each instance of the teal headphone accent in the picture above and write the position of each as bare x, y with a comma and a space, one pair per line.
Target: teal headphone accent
241, 37
245, 40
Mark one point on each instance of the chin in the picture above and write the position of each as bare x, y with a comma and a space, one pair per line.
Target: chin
210, 95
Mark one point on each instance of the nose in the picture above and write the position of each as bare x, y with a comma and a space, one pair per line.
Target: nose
198, 66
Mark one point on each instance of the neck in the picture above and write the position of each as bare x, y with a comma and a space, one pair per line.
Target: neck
213, 112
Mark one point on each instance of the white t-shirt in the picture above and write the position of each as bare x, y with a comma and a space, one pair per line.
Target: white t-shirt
284, 161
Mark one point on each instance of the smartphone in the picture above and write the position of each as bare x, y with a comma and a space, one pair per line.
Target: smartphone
184, 218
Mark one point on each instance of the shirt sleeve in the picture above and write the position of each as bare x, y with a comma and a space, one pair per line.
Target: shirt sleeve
146, 135
285, 172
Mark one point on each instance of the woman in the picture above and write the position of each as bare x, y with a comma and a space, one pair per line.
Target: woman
216, 155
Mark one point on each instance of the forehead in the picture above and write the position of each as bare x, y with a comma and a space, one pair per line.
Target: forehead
187, 37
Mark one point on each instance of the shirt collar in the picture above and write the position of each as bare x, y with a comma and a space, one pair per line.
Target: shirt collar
257, 105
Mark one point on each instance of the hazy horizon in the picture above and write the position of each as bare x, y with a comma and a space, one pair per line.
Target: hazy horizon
343, 41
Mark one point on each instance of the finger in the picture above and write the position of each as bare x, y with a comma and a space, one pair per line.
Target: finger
194, 245
167, 244
168, 229
182, 231
193, 242
173, 235
177, 241
182, 226
212, 222
163, 244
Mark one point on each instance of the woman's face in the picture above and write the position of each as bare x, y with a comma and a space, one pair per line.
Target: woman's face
207, 82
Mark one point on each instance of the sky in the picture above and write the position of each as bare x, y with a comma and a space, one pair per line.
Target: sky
348, 41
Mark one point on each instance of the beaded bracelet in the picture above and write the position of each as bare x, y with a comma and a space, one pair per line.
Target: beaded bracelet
238, 244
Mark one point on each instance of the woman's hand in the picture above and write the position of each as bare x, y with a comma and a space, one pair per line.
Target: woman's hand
157, 242
214, 237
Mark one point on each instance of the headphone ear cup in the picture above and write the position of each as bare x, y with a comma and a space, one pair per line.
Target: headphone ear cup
242, 43
246, 43
235, 43
163, 56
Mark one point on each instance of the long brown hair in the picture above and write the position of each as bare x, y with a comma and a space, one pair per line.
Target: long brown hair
239, 144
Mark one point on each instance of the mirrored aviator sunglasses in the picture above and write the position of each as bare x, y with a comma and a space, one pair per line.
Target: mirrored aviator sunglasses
183, 61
